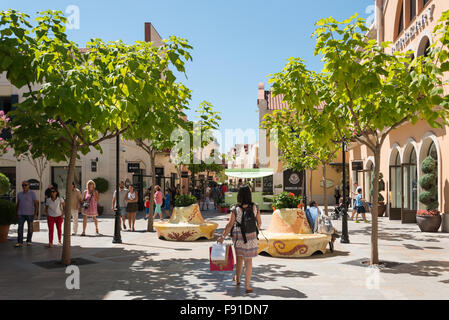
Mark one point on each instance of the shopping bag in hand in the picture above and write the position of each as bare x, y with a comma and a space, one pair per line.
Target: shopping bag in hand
221, 257
36, 226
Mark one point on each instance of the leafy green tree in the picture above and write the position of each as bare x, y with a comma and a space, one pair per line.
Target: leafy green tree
365, 93
299, 151
77, 98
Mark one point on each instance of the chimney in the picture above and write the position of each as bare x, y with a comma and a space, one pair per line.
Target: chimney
261, 91
147, 31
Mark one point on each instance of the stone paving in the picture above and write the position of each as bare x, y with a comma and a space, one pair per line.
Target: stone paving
144, 267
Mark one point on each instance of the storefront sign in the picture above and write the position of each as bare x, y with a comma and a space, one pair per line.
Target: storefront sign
268, 184
34, 184
357, 166
184, 174
133, 167
415, 29
293, 181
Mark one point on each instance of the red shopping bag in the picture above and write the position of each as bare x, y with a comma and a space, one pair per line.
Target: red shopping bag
227, 265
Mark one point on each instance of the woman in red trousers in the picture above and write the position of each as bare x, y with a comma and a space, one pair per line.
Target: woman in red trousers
54, 207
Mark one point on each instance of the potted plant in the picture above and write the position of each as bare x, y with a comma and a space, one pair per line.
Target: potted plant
7, 217
225, 207
185, 200
102, 186
381, 200
286, 200
429, 220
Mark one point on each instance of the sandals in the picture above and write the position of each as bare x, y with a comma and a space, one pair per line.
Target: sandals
237, 283
82, 234
249, 290
18, 245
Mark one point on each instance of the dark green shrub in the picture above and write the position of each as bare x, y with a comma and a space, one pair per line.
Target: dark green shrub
428, 182
101, 184
185, 200
381, 187
4, 184
7, 213
286, 200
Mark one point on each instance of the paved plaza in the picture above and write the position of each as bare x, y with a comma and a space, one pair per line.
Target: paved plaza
144, 267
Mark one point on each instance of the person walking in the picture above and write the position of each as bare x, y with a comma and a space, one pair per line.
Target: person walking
131, 206
54, 207
158, 203
245, 215
147, 207
359, 208
337, 195
216, 195
167, 203
90, 204
75, 206
26, 210
121, 201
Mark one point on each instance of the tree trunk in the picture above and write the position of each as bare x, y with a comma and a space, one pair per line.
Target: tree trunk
40, 199
310, 186
374, 210
153, 183
325, 190
70, 175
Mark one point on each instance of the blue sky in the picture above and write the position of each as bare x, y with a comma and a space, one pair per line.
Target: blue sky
237, 44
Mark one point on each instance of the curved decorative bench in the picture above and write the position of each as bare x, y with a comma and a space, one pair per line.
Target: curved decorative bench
186, 224
290, 236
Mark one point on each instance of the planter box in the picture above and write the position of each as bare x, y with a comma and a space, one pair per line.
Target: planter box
429, 223
445, 222
4, 230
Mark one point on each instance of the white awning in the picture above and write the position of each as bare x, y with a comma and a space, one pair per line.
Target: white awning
249, 173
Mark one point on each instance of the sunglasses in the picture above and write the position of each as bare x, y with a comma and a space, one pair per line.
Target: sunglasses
25, 185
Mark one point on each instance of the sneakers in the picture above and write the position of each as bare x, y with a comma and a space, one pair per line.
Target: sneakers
366, 221
18, 245
357, 221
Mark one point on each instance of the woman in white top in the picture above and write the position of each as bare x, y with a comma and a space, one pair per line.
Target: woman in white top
131, 206
54, 208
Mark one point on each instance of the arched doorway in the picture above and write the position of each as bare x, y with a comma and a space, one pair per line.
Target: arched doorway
395, 185
410, 185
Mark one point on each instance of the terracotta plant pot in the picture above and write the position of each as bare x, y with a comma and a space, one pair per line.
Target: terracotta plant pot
428, 223
4, 230
381, 209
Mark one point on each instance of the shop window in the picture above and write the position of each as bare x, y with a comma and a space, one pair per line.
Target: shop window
411, 182
396, 182
401, 21
412, 9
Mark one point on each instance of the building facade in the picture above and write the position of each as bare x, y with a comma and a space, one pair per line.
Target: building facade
408, 25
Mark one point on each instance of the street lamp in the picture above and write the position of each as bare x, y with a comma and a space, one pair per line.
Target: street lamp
304, 177
117, 236
344, 220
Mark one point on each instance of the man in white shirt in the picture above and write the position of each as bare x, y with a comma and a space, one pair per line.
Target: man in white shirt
121, 199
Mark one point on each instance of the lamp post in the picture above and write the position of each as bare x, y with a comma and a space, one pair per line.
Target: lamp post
344, 220
304, 175
117, 236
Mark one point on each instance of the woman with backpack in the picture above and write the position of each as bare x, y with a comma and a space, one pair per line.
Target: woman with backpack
245, 222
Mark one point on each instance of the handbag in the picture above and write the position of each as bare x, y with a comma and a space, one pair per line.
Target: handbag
36, 226
221, 257
86, 202
325, 226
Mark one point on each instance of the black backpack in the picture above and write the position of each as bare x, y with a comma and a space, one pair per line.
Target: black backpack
248, 223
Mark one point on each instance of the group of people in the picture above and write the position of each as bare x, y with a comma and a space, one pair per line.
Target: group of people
28, 206
212, 193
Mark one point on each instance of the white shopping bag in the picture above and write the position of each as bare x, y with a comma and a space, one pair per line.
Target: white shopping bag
219, 253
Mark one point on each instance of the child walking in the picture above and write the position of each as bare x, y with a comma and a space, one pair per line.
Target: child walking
359, 207
158, 202
147, 207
